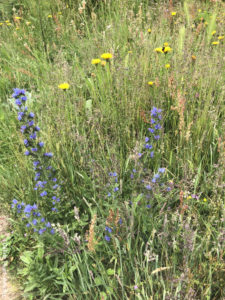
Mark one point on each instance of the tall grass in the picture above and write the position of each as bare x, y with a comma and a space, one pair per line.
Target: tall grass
97, 126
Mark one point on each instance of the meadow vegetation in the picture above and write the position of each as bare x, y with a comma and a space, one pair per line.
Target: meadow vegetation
120, 193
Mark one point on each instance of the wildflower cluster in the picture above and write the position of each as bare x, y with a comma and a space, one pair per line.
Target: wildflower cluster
105, 56
46, 185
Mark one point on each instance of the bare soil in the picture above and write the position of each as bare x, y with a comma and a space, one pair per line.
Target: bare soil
8, 290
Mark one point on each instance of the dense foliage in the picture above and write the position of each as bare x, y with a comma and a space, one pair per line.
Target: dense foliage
119, 109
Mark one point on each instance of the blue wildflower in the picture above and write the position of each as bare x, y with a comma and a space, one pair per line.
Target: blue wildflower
31, 115
108, 229
44, 193
116, 189
107, 238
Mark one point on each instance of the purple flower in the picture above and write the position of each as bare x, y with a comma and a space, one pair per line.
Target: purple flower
147, 146
52, 231
148, 187
36, 128
152, 154
33, 136
148, 206
31, 115
18, 102
30, 123
41, 144
107, 238
44, 193
20, 115
151, 130
34, 222
23, 128
48, 154
28, 208
35, 163
17, 92
158, 126
116, 189
48, 225
157, 137
34, 149
24, 98
55, 186
108, 229
27, 153
146, 139
114, 174
161, 170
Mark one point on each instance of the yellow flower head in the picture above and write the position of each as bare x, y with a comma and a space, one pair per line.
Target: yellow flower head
95, 61
193, 57
215, 43
205, 200
18, 18
166, 44
151, 83
59, 13
173, 13
103, 63
158, 50
64, 86
7, 21
221, 37
199, 10
166, 49
9, 24
167, 66
49, 16
129, 52
149, 30
28, 23
106, 56
213, 32
1, 24
189, 197
17, 28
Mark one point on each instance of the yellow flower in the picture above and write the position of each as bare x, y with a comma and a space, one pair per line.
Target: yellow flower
167, 49
173, 13
199, 10
215, 43
167, 66
206, 23
7, 21
166, 44
213, 32
205, 200
103, 63
9, 24
49, 16
95, 61
17, 28
158, 50
221, 37
59, 13
149, 30
151, 83
1, 24
106, 56
64, 86
193, 57
129, 52
18, 18
189, 197
28, 23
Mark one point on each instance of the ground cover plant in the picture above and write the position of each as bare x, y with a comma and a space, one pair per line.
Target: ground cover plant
113, 148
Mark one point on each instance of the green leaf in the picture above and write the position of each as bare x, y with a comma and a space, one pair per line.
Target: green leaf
110, 272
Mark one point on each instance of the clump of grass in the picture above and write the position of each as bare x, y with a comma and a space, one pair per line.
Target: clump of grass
169, 245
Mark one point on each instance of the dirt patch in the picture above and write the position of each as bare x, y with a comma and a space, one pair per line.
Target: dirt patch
8, 291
